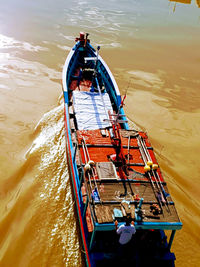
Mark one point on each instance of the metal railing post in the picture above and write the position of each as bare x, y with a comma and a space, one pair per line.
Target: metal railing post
171, 239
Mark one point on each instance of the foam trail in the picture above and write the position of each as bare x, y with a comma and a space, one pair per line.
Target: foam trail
40, 226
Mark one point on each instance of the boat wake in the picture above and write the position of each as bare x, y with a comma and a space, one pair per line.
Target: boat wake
39, 224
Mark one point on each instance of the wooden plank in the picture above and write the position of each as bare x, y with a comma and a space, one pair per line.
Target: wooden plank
103, 214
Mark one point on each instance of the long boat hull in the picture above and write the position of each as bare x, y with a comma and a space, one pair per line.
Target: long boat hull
113, 168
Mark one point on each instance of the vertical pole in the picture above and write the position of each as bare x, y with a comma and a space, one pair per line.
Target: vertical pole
85, 208
74, 156
92, 238
171, 239
81, 175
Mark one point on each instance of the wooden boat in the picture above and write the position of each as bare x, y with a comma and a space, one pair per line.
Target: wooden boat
113, 168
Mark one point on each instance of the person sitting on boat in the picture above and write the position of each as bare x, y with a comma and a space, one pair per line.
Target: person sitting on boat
126, 231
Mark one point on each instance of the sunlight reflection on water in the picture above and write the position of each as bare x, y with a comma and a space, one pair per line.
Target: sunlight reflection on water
148, 42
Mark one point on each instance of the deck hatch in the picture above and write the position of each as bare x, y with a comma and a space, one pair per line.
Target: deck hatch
106, 170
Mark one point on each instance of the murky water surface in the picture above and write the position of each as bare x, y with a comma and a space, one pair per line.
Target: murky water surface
152, 48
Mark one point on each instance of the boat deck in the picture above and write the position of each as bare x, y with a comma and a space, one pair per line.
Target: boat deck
120, 196
115, 189
112, 198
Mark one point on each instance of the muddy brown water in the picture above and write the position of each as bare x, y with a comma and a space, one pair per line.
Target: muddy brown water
152, 48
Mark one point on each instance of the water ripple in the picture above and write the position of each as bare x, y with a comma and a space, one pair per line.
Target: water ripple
9, 42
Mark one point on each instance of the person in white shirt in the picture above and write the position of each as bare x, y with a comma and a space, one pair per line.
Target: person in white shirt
126, 231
